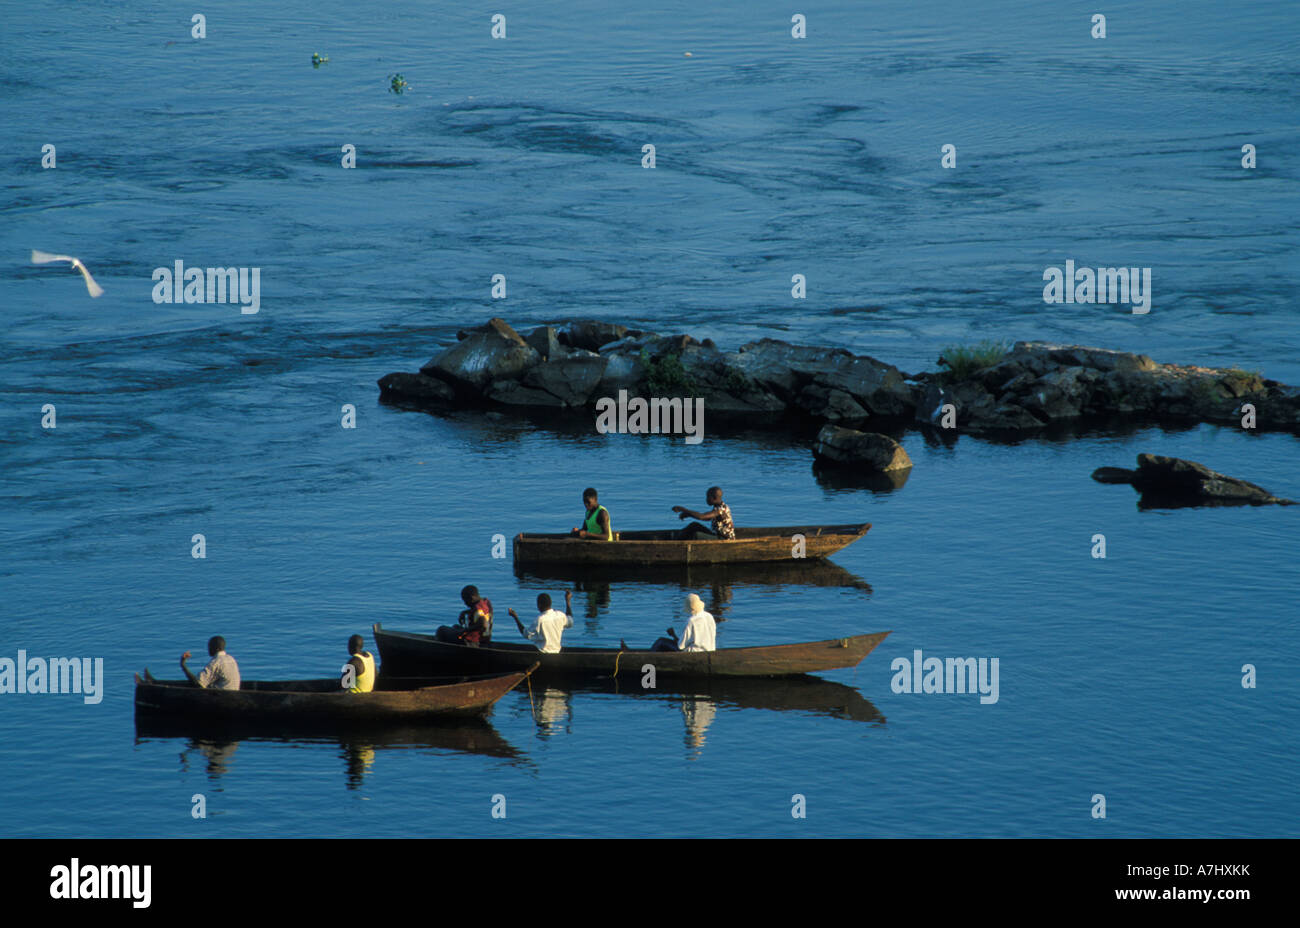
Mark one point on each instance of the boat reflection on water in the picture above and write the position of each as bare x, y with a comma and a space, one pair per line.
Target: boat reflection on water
216, 744
700, 700
807, 694
715, 583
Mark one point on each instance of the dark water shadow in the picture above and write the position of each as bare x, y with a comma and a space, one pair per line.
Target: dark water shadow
700, 701
1176, 501
1088, 427
792, 572
846, 478
215, 743
517, 424
716, 584
805, 694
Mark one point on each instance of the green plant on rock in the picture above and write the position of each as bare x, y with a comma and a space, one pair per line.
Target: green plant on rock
1206, 390
735, 382
665, 376
964, 360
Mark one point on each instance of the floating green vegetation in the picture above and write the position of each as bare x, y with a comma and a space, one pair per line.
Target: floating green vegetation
318, 59
397, 83
964, 360
666, 376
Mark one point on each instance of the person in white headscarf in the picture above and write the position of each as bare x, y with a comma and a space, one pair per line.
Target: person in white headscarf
701, 631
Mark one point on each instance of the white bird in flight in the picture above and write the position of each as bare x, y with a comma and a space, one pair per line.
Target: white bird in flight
44, 257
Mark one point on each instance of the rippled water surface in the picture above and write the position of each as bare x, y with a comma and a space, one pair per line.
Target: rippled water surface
522, 157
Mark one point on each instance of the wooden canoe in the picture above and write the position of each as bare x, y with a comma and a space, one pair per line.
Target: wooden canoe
322, 701
668, 547
412, 654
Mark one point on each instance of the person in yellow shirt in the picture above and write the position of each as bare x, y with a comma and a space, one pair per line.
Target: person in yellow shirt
359, 671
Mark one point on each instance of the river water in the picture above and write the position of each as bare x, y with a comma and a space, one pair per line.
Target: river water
774, 156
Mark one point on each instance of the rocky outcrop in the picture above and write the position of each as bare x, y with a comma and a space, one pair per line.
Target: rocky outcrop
1038, 384
826, 383
574, 365
863, 451
1169, 482
1034, 386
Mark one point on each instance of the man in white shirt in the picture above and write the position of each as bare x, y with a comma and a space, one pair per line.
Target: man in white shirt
222, 673
550, 624
701, 631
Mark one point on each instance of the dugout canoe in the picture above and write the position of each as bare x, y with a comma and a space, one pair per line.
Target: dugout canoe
322, 701
412, 654
667, 546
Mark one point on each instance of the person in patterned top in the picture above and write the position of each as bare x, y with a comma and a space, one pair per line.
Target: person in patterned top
474, 625
719, 516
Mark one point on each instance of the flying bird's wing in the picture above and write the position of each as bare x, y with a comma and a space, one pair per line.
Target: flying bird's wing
44, 257
93, 288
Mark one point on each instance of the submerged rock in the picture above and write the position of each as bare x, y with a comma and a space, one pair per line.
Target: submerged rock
870, 451
1113, 475
420, 388
1170, 482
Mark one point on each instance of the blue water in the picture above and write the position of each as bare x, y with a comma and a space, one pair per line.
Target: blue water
522, 157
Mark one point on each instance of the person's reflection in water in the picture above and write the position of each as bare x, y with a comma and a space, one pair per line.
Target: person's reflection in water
719, 597
554, 711
597, 601
698, 712
359, 759
217, 754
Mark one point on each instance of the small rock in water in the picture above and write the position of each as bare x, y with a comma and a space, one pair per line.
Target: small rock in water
868, 451
1113, 475
1168, 483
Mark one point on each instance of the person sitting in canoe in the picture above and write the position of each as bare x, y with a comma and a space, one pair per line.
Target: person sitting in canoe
359, 671
701, 631
550, 624
719, 516
596, 525
222, 673
474, 624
